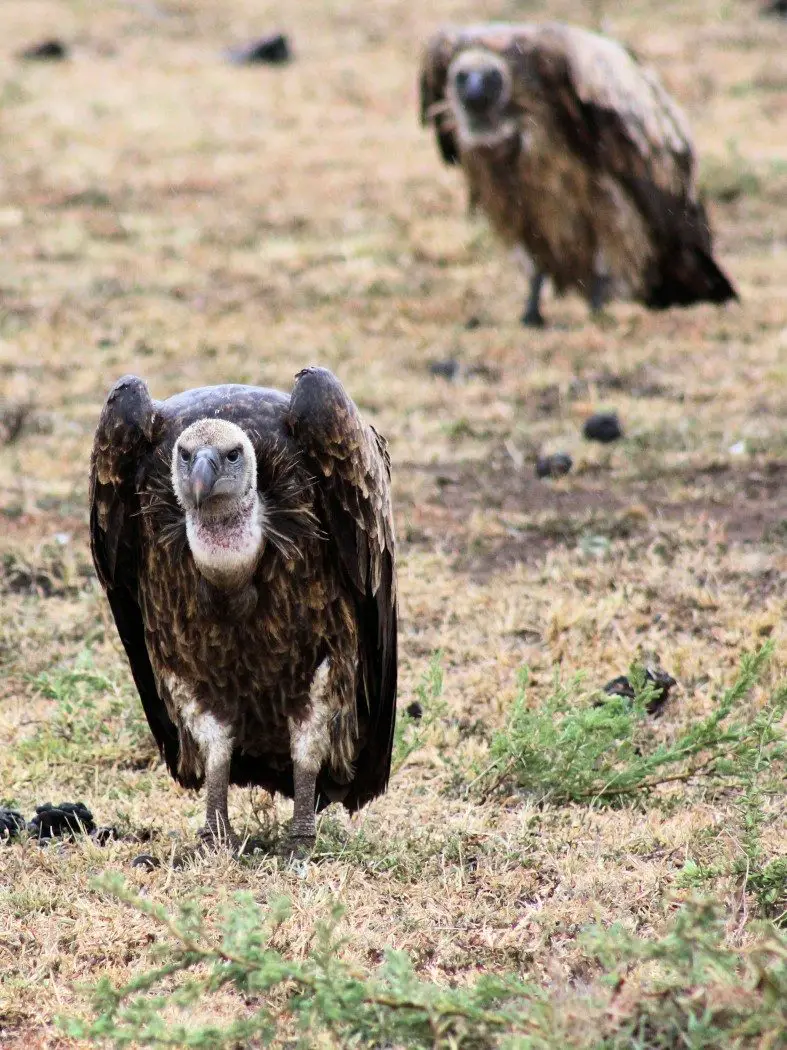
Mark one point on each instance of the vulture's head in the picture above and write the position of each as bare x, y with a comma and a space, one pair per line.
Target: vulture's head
479, 92
214, 469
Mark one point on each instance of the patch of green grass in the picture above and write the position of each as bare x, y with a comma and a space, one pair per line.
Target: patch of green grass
572, 749
701, 994
411, 729
94, 720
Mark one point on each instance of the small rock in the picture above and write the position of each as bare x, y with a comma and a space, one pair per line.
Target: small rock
272, 50
414, 710
11, 823
146, 861
52, 50
448, 369
603, 426
485, 372
621, 686
101, 836
472, 323
555, 466
68, 818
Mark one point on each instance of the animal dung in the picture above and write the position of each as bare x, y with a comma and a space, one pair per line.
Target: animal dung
11, 823
448, 369
146, 861
272, 50
52, 50
555, 466
67, 818
621, 686
604, 427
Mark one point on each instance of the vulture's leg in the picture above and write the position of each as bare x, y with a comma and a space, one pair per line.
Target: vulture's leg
599, 292
215, 743
532, 317
309, 746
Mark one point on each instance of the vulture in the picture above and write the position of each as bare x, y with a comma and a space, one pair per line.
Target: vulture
579, 158
244, 539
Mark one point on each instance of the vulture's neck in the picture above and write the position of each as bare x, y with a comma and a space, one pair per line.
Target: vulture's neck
226, 548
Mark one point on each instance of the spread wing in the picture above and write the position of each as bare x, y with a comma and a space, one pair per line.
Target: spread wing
351, 464
123, 439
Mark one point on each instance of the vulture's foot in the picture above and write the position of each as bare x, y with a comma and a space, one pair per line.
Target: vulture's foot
300, 847
219, 838
533, 319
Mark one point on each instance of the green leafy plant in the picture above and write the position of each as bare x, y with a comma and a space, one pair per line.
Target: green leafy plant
696, 992
574, 749
318, 993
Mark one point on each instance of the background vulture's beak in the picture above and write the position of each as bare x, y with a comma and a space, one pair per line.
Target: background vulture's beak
480, 88
204, 472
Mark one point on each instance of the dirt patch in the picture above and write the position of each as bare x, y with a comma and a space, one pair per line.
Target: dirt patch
748, 504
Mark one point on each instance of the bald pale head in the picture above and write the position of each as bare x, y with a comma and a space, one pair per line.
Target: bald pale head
479, 91
214, 468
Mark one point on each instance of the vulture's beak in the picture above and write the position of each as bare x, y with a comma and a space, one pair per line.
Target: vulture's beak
204, 473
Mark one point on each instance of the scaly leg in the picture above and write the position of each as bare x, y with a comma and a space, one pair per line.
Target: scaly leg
215, 744
309, 746
532, 317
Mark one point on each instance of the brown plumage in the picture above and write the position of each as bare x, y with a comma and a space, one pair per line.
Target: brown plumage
578, 157
244, 538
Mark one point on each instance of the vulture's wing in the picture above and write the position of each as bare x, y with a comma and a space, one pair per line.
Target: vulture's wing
613, 111
615, 114
352, 469
434, 108
123, 439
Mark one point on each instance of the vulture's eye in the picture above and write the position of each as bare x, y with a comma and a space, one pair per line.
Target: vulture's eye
185, 455
233, 456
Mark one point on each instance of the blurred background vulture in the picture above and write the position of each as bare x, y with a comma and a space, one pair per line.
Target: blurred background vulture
578, 157
245, 542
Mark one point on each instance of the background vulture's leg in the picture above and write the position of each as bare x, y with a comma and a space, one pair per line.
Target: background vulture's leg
309, 746
599, 291
532, 317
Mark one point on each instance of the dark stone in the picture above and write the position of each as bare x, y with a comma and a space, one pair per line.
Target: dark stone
53, 50
414, 710
272, 50
555, 466
11, 823
67, 818
146, 861
101, 836
448, 369
621, 686
604, 427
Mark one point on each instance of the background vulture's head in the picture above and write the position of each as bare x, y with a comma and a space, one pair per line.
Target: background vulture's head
214, 468
479, 92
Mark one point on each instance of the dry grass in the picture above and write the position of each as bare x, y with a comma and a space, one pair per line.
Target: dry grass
167, 214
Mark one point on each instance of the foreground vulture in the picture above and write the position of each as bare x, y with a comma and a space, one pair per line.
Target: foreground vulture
245, 542
579, 158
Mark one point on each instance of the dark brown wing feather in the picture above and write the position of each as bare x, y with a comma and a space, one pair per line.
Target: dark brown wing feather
351, 464
123, 440
615, 114
434, 72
